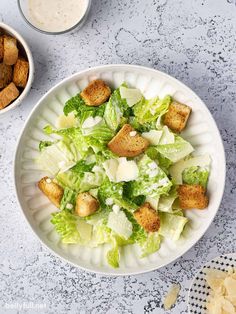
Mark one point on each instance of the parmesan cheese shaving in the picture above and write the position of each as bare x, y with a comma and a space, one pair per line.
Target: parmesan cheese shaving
171, 296
222, 298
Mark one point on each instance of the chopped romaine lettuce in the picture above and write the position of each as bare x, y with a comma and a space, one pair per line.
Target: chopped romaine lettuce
82, 166
77, 105
171, 225
57, 157
70, 228
101, 234
148, 110
113, 255
80, 182
196, 175
152, 180
100, 131
175, 151
68, 200
177, 169
167, 137
151, 245
166, 202
119, 223
145, 127
44, 144
113, 115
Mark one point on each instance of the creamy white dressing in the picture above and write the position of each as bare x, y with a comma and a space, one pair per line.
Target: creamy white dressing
56, 15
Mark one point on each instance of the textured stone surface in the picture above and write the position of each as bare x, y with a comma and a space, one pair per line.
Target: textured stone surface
192, 40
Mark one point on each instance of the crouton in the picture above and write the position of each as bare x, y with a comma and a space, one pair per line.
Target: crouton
147, 217
52, 190
10, 50
86, 204
1, 48
8, 94
177, 116
5, 75
96, 93
192, 196
20, 73
128, 143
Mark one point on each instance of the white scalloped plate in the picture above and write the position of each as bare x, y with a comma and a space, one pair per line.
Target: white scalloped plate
199, 289
202, 132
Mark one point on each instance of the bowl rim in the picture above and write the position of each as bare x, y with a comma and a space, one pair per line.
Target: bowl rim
27, 88
79, 23
128, 67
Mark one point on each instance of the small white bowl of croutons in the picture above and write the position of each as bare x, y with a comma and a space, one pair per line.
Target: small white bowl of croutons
16, 68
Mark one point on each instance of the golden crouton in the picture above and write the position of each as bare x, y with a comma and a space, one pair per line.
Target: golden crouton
8, 94
5, 75
177, 116
96, 93
52, 190
1, 48
192, 196
147, 217
128, 143
20, 74
10, 50
86, 204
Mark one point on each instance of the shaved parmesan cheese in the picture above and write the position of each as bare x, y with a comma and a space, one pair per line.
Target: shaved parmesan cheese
223, 295
132, 95
127, 171
153, 136
64, 122
171, 296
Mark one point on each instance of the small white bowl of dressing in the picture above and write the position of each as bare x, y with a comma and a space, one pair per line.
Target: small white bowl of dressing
54, 16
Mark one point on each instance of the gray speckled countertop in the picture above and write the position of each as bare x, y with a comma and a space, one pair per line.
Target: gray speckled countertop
193, 40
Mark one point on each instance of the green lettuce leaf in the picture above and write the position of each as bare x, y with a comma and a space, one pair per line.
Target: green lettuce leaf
69, 197
196, 175
70, 228
113, 255
175, 151
82, 111
57, 157
151, 245
113, 114
44, 144
148, 110
152, 180
80, 182
171, 225
100, 131
101, 234
82, 167
119, 223
201, 162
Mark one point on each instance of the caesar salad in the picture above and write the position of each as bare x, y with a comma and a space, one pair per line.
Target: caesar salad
119, 172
